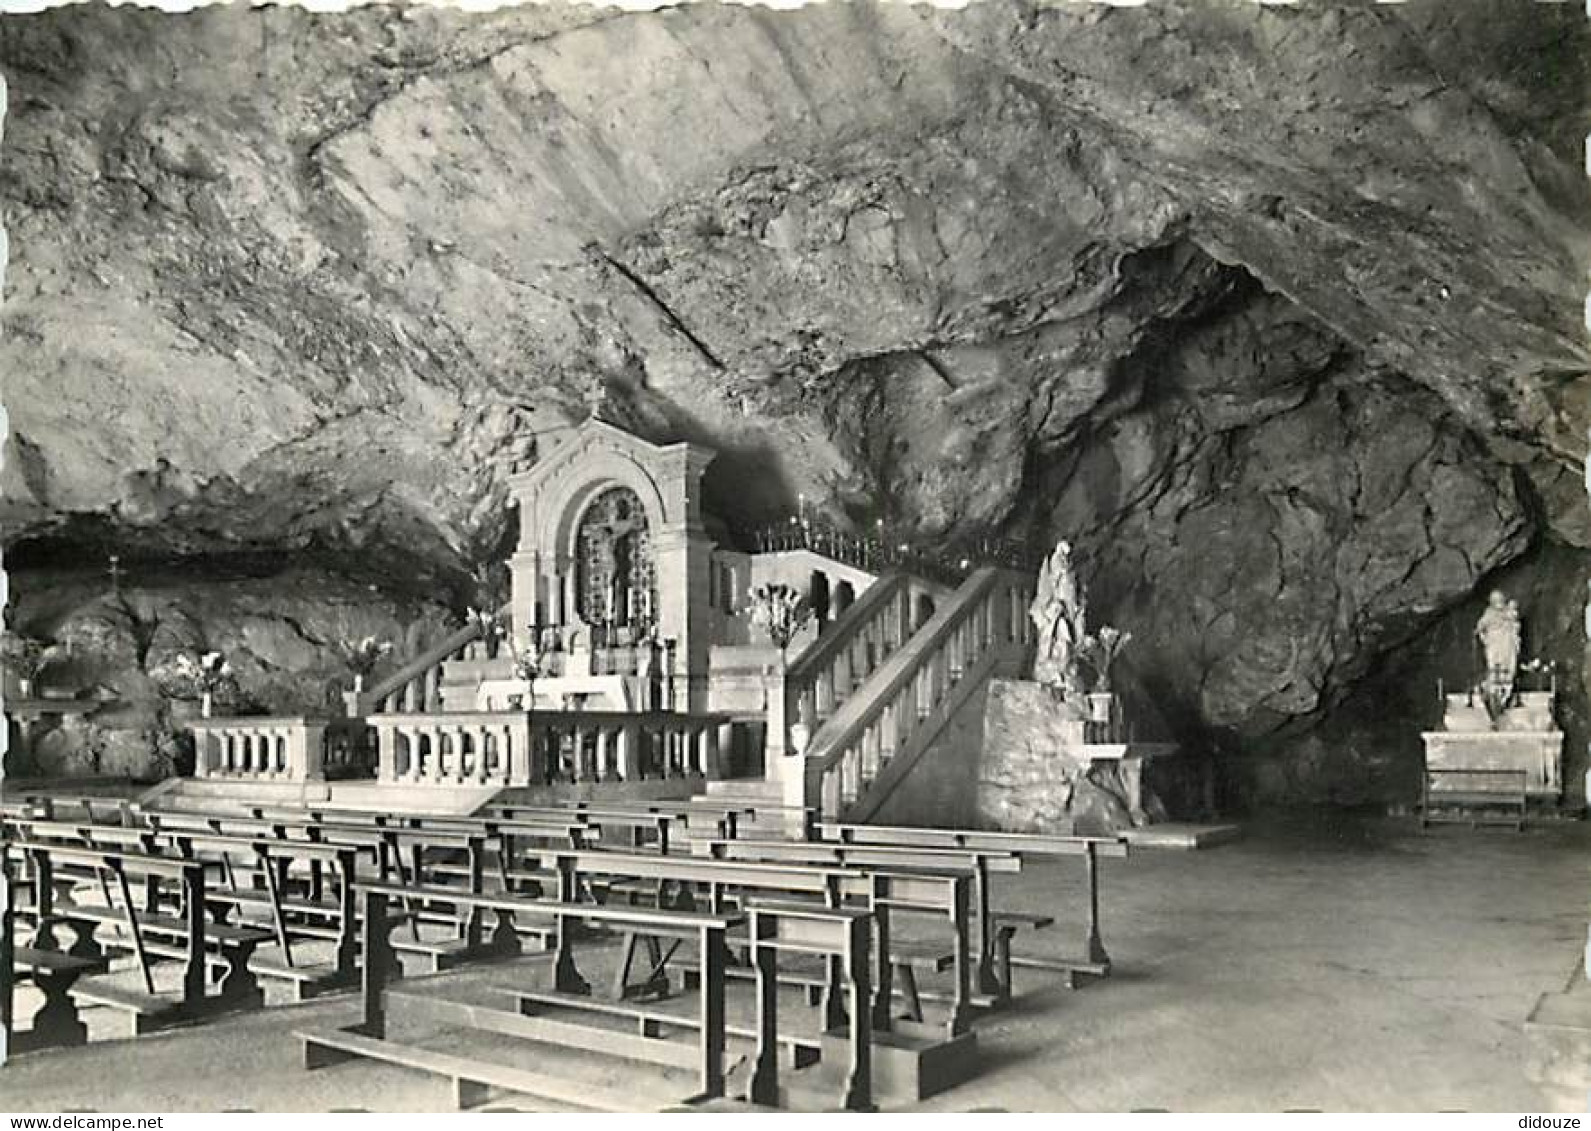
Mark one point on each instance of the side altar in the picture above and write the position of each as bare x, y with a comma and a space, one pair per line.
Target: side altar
1498, 738
1058, 751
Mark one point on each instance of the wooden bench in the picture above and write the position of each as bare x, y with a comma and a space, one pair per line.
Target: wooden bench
909, 880
405, 855
641, 826
100, 810
470, 1077
140, 928
997, 928
727, 883
1474, 797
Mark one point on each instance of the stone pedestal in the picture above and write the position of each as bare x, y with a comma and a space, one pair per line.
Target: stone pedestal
1042, 774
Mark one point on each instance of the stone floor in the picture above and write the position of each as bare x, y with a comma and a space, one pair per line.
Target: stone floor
1316, 964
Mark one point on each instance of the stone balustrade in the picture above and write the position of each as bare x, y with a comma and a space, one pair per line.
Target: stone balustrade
879, 624
517, 748
985, 619
287, 749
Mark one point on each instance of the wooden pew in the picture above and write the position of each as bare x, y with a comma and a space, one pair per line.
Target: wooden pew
400, 854
503, 835
640, 827
140, 927
719, 819
998, 927
943, 884
100, 810
837, 934
470, 1077
272, 866
56, 1022
726, 883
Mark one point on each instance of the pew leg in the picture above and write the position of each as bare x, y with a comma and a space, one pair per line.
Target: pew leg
566, 976
85, 943
57, 1022
1094, 946
1002, 953
655, 983
239, 985
908, 990
765, 1076
834, 1015
505, 940
469, 1093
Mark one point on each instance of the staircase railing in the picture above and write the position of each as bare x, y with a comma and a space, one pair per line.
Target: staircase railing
417, 685
892, 718
823, 677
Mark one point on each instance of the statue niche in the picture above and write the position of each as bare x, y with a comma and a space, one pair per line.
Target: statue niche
615, 573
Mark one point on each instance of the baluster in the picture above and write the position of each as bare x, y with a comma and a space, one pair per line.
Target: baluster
599, 768
823, 695
424, 750
628, 734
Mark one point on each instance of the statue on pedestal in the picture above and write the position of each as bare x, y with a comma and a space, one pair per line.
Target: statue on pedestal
1058, 616
1498, 633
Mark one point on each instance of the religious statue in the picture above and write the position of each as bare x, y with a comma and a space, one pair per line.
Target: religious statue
1057, 615
1498, 633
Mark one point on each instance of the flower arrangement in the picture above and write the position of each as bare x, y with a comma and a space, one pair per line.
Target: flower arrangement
779, 610
487, 622
1100, 650
25, 657
363, 655
199, 677
526, 656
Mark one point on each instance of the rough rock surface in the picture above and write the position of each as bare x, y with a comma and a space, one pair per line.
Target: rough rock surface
1274, 310
1035, 775
280, 632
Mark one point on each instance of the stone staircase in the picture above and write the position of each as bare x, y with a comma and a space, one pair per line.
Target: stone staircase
880, 693
866, 749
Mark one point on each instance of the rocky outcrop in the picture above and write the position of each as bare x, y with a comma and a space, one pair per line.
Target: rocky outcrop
282, 633
1274, 310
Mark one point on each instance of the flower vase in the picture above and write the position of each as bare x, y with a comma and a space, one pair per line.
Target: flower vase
1101, 706
25, 687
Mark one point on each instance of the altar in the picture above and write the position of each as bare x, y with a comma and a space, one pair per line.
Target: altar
564, 693
1525, 740
1499, 744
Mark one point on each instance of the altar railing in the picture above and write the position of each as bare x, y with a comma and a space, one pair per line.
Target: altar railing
515, 748
290, 748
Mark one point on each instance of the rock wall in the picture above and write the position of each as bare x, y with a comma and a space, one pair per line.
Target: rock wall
1274, 311
280, 631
